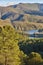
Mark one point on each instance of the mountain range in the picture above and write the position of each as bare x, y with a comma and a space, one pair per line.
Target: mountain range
23, 16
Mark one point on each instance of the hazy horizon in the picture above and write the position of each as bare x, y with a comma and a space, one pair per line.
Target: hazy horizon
12, 2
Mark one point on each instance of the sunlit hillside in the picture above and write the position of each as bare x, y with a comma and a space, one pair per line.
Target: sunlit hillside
21, 34
23, 12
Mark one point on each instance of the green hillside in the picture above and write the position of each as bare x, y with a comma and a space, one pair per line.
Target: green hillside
17, 49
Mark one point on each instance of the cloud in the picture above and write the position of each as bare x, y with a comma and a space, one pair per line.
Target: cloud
6, 3
11, 3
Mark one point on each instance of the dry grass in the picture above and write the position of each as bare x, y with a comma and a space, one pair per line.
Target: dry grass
27, 25
5, 22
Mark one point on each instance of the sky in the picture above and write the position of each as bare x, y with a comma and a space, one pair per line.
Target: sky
12, 2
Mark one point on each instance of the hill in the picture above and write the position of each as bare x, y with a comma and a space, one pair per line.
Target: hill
5, 22
23, 12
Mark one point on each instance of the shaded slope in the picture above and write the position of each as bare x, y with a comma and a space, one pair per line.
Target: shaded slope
21, 9
23, 12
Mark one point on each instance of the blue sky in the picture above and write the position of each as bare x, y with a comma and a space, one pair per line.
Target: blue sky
10, 2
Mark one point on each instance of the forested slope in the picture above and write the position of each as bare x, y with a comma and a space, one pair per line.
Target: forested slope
17, 49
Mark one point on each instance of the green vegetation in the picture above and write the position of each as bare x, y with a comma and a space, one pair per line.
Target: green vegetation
17, 49
33, 48
9, 49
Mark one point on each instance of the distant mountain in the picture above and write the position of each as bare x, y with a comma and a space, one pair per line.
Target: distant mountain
23, 12
21, 9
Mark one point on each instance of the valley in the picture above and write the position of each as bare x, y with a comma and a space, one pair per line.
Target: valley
21, 34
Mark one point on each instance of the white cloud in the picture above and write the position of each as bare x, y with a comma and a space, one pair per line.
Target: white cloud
7, 4
10, 3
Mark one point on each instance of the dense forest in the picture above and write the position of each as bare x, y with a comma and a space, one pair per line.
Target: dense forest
17, 49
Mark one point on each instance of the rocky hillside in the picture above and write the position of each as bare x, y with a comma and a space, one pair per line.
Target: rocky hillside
23, 12
5, 22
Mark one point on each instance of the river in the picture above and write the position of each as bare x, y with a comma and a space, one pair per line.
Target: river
31, 34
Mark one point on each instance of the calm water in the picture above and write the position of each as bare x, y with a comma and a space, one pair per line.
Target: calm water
31, 31
31, 34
